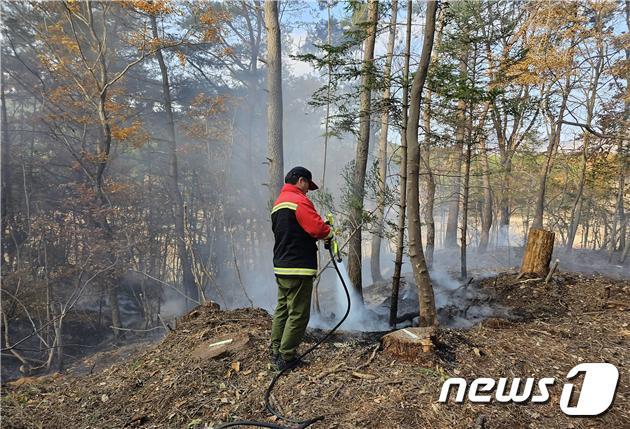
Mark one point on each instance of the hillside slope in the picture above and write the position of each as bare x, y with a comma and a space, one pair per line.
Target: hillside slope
574, 319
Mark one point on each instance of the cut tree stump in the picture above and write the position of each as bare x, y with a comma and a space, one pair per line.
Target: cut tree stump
538, 252
409, 342
217, 346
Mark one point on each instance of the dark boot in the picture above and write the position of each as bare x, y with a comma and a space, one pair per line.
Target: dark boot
282, 364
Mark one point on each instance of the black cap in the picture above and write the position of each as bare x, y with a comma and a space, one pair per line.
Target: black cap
297, 172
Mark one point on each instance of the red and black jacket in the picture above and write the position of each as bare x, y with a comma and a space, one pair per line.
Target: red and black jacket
296, 228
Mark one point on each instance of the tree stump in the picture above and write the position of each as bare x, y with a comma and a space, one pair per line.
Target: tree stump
538, 252
218, 346
409, 342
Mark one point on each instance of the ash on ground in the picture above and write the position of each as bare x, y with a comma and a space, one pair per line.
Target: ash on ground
574, 318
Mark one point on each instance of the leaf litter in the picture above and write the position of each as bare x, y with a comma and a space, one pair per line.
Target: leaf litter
572, 319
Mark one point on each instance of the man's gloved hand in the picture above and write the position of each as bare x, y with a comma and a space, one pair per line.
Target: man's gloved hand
327, 243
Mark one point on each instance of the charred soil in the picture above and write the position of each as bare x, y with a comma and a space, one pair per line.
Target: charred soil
572, 319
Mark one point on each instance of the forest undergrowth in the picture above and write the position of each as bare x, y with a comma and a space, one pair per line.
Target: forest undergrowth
572, 319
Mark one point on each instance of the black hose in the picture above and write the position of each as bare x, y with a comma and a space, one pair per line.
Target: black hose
301, 424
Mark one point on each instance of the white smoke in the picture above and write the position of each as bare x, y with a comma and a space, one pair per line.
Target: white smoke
360, 319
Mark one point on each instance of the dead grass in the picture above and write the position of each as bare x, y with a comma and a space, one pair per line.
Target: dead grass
560, 325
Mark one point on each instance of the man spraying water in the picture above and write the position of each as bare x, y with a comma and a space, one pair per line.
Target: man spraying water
296, 227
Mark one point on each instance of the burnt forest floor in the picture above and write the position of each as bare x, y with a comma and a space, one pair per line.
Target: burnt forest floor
573, 319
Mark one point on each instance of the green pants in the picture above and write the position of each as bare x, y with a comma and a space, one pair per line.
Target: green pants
292, 314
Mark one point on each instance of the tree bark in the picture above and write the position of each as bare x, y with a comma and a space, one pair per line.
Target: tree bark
554, 142
115, 309
173, 178
375, 257
58, 324
274, 100
538, 252
620, 215
486, 208
450, 240
400, 237
429, 206
328, 91
425, 154
6, 194
576, 209
320, 253
506, 187
103, 152
363, 145
466, 192
619, 225
6, 158
507, 143
418, 263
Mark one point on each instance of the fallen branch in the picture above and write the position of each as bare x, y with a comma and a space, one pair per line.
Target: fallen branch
334, 369
528, 281
552, 270
371, 358
238, 272
363, 376
463, 286
167, 284
470, 280
166, 325
621, 305
138, 330
541, 332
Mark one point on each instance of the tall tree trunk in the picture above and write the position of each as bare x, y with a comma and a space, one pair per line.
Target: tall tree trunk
6, 159
554, 141
465, 194
320, 254
103, 153
6, 193
418, 263
618, 239
175, 194
504, 202
620, 216
252, 83
507, 144
450, 240
328, 91
375, 259
590, 109
425, 155
115, 309
623, 148
400, 237
576, 209
363, 145
429, 206
274, 100
486, 208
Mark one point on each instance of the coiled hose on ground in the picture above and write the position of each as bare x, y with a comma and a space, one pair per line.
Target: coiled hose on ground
299, 424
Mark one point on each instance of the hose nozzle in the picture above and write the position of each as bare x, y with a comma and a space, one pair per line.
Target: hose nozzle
334, 245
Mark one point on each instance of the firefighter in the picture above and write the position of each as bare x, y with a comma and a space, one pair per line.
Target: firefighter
296, 228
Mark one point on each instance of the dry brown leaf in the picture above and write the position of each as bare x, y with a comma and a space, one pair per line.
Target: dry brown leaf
363, 375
